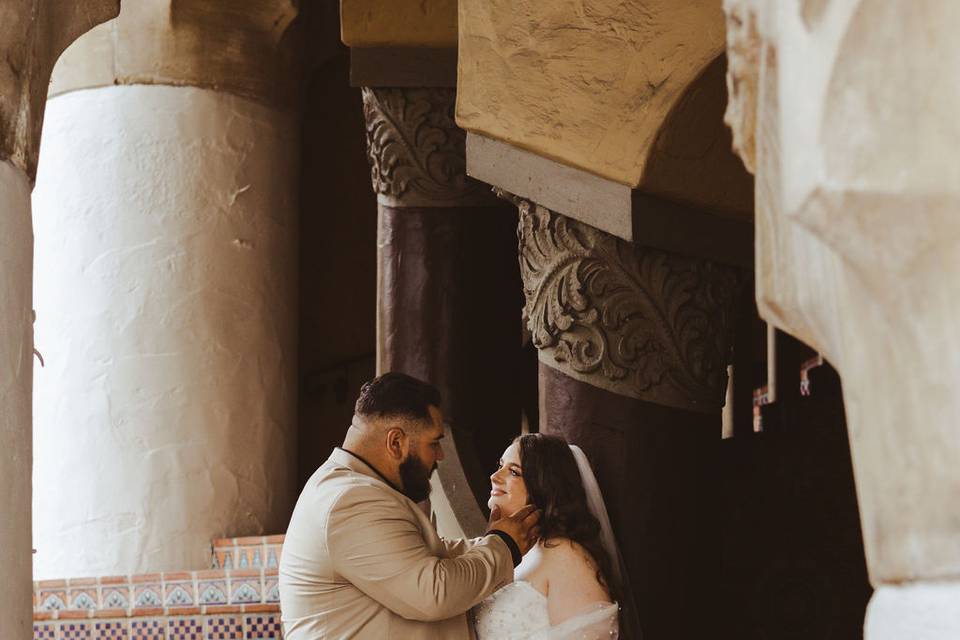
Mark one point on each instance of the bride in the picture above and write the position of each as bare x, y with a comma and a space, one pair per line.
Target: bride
569, 583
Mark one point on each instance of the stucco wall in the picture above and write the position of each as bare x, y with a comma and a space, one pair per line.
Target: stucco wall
399, 23
588, 84
16, 362
165, 290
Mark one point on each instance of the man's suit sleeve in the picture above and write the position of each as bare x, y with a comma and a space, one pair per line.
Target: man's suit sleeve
375, 543
456, 548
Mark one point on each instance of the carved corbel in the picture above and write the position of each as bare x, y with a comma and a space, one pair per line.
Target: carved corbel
32, 37
640, 322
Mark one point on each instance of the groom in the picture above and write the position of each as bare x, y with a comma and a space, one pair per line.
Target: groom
361, 559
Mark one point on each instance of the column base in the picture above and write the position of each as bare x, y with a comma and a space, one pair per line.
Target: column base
919, 611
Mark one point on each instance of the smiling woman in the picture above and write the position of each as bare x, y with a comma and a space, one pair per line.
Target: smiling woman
547, 477
508, 489
566, 585
361, 557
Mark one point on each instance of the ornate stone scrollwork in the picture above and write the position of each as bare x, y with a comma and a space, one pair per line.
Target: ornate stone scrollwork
637, 321
416, 150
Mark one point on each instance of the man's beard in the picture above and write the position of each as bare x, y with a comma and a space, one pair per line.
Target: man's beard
415, 478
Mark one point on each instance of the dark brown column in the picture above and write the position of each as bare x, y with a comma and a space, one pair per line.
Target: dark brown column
658, 469
633, 345
449, 303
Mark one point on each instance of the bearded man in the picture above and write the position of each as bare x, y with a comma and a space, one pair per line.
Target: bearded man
361, 559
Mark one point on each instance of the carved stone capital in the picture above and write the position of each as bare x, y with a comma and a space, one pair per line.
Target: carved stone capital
33, 34
640, 322
416, 150
244, 47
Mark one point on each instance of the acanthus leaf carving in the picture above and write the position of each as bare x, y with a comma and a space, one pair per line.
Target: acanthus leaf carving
638, 321
415, 149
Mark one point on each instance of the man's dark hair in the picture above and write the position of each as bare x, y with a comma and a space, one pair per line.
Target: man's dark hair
397, 395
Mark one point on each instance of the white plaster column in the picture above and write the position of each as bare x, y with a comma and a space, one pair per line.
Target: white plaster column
16, 368
165, 295
843, 111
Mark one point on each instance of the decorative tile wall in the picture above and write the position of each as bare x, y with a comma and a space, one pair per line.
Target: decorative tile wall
156, 591
224, 627
238, 599
147, 629
44, 631
82, 594
179, 590
76, 630
185, 628
231, 622
262, 626
109, 629
247, 553
212, 586
51, 595
115, 592
147, 590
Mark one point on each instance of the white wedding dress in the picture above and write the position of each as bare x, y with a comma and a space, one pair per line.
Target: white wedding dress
519, 612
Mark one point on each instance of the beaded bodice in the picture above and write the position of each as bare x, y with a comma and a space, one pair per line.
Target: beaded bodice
512, 613
519, 612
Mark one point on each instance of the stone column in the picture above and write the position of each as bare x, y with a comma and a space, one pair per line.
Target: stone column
842, 111
633, 345
16, 358
166, 215
32, 37
448, 284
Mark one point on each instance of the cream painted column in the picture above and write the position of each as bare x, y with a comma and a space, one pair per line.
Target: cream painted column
16, 360
166, 224
32, 36
846, 113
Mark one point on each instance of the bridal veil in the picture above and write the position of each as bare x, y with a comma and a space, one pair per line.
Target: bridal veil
629, 621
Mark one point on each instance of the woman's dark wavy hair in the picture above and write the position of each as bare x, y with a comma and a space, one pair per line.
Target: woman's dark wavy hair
553, 483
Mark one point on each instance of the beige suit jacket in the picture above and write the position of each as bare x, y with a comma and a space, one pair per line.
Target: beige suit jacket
361, 560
